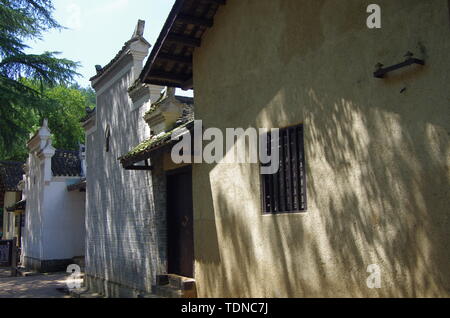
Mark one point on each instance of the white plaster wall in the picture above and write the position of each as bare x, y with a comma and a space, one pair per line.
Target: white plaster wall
63, 222
54, 219
34, 184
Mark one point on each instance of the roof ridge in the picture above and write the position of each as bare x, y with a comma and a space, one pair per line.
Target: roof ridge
119, 54
67, 150
8, 162
66, 163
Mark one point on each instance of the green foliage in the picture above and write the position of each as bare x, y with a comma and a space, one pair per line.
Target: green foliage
65, 106
64, 122
22, 104
88, 93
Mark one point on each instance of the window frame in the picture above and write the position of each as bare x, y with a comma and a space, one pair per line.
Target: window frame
302, 198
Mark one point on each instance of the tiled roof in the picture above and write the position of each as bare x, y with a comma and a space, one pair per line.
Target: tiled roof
79, 186
144, 149
11, 173
89, 113
66, 163
185, 100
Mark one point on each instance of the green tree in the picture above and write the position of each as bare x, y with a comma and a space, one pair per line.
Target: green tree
22, 20
69, 105
64, 122
87, 92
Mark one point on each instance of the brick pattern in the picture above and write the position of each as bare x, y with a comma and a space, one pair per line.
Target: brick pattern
125, 214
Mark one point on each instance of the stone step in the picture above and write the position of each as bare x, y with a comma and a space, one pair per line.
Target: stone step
176, 281
149, 296
167, 292
183, 286
162, 280
182, 283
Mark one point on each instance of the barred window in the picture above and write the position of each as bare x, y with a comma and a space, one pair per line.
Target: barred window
285, 191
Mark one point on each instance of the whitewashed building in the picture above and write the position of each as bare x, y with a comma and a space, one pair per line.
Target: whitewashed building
123, 250
54, 229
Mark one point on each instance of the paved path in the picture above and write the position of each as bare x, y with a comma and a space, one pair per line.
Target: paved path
39, 286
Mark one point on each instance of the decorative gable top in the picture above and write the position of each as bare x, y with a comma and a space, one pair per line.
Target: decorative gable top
128, 46
41, 138
90, 113
167, 111
185, 119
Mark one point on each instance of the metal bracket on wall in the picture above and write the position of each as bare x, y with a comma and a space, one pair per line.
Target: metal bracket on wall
139, 168
382, 71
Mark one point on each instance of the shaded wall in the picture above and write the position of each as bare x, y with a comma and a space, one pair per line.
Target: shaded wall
124, 250
377, 151
34, 210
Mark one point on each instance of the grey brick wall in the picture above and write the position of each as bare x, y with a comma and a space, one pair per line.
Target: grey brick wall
125, 213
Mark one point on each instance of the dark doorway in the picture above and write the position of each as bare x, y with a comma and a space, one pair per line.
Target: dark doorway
180, 225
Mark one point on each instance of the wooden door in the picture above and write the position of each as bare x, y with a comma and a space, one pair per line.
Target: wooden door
180, 224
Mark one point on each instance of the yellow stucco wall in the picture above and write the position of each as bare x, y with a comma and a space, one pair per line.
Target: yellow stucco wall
377, 151
10, 199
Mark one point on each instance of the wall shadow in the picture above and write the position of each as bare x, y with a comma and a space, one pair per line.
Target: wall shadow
377, 155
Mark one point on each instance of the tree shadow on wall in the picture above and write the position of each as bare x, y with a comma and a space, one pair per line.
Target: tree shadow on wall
377, 177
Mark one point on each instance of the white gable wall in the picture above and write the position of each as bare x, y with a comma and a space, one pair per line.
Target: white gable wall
122, 247
54, 225
34, 185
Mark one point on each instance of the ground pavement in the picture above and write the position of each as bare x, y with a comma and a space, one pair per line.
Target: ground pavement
38, 286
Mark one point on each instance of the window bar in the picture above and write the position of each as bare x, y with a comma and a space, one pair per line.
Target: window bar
289, 192
282, 174
295, 168
275, 178
302, 176
270, 178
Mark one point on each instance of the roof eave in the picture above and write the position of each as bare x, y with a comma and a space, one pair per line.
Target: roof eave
144, 154
181, 79
161, 38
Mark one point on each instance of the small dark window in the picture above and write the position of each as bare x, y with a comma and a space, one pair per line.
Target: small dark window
107, 138
285, 191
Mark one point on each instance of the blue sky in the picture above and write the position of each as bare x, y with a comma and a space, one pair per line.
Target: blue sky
97, 29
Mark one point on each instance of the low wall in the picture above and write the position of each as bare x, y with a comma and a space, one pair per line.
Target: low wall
111, 289
46, 266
